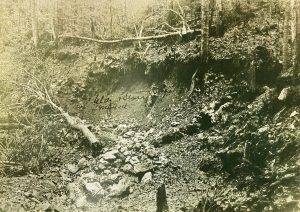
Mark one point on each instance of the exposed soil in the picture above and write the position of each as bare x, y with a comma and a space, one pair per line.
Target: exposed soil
221, 147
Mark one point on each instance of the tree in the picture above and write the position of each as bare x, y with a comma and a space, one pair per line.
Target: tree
204, 27
286, 36
219, 13
54, 19
34, 23
297, 38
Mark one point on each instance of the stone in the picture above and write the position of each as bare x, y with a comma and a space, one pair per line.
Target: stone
82, 163
134, 160
122, 188
72, 168
94, 189
201, 136
147, 178
114, 177
110, 156
151, 152
127, 159
101, 167
291, 127
149, 132
284, 94
104, 162
107, 172
129, 134
88, 176
127, 168
73, 190
123, 149
45, 206
126, 153
121, 128
81, 202
264, 129
294, 113
143, 167
162, 160
137, 146
175, 123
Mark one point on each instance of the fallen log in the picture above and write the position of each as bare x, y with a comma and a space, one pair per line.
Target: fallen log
74, 122
41, 93
131, 39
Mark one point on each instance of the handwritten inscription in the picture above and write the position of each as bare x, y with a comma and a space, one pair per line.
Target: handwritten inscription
121, 102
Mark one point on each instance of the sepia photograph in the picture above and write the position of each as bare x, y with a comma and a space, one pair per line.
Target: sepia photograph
149, 105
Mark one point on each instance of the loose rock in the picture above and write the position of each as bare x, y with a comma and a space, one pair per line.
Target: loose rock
147, 178
94, 189
122, 188
110, 156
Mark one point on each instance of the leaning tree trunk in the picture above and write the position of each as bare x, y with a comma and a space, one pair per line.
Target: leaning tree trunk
34, 23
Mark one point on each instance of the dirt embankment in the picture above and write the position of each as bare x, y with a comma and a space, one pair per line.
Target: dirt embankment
216, 145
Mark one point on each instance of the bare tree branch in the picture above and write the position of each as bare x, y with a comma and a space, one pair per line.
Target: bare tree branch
127, 39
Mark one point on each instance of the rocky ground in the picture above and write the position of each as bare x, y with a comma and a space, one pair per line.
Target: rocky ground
219, 149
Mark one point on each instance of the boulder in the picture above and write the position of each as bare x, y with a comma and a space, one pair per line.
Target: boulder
147, 178
82, 163
122, 188
81, 202
175, 123
121, 128
143, 167
284, 94
72, 168
110, 156
127, 168
94, 189
129, 134
73, 191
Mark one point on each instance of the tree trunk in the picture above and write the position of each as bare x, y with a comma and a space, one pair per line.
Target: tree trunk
297, 39
111, 18
34, 23
219, 8
54, 19
205, 27
285, 44
161, 199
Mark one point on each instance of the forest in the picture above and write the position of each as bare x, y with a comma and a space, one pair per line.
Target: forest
150, 105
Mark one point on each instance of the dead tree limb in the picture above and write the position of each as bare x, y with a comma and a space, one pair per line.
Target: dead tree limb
193, 83
126, 39
148, 47
74, 122
137, 35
